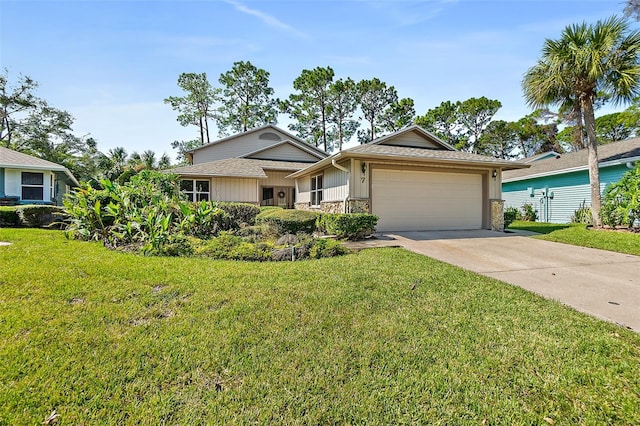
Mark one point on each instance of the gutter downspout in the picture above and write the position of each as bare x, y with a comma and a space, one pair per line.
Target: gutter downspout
344, 169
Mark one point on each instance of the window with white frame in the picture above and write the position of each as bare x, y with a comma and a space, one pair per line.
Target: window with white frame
196, 190
316, 190
32, 186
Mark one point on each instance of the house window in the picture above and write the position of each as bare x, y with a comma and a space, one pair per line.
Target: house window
316, 190
32, 186
196, 190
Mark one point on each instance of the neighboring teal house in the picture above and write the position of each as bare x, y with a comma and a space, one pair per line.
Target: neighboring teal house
558, 184
25, 179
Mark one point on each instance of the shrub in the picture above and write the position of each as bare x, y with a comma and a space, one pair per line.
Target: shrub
9, 217
621, 204
38, 216
510, 214
240, 214
352, 226
284, 221
529, 213
325, 247
583, 214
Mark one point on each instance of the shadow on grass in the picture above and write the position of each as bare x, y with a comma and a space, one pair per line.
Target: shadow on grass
540, 228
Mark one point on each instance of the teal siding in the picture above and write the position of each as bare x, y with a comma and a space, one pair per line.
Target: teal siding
2, 194
570, 190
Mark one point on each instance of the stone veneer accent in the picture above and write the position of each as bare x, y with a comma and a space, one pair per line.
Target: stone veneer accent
331, 207
497, 215
359, 206
355, 206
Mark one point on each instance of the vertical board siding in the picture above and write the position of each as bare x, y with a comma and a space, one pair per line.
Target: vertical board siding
570, 190
276, 178
234, 189
335, 184
303, 190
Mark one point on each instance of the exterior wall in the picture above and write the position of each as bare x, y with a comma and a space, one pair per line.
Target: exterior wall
276, 178
411, 139
335, 183
236, 147
234, 189
303, 188
570, 190
285, 152
360, 180
13, 184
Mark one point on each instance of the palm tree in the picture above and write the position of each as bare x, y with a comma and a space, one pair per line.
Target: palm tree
587, 61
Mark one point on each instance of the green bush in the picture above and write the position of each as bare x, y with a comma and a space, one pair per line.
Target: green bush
352, 226
240, 214
621, 204
325, 247
529, 213
288, 221
583, 214
9, 217
511, 214
39, 216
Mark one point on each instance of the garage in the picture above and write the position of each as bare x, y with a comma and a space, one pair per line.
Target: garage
416, 200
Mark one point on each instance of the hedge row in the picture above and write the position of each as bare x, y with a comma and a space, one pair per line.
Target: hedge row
353, 226
31, 216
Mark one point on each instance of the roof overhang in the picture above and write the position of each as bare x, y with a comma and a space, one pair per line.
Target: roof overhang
344, 155
617, 162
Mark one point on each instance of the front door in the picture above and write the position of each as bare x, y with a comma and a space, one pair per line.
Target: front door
277, 196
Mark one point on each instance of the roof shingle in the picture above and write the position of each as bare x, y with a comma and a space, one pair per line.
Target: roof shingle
238, 167
620, 151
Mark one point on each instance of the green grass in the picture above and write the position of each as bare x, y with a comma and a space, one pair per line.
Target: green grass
579, 235
384, 336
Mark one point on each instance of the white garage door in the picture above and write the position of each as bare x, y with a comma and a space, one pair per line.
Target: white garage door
417, 200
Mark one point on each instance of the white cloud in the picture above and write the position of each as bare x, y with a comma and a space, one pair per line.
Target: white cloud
267, 19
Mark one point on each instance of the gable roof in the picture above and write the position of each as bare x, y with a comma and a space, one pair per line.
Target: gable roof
538, 157
609, 154
237, 167
378, 150
285, 142
413, 128
18, 160
292, 138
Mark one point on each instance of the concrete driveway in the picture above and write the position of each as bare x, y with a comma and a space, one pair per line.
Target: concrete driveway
601, 283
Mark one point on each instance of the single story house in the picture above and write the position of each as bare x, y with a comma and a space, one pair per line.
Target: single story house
250, 167
410, 179
25, 179
558, 184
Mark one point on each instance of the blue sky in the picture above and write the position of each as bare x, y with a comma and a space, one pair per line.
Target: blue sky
111, 63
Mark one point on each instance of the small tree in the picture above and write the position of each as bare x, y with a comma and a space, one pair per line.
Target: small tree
622, 200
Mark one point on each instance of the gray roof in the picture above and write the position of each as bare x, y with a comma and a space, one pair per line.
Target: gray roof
14, 159
433, 154
292, 138
621, 152
238, 167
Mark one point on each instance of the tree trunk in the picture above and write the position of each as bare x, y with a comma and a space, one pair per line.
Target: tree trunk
594, 172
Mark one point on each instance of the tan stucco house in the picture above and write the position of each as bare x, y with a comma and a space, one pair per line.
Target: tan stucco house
410, 179
25, 179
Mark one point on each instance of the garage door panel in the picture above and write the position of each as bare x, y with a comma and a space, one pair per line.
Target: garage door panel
419, 200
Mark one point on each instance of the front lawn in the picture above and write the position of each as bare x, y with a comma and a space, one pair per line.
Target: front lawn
579, 235
384, 336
